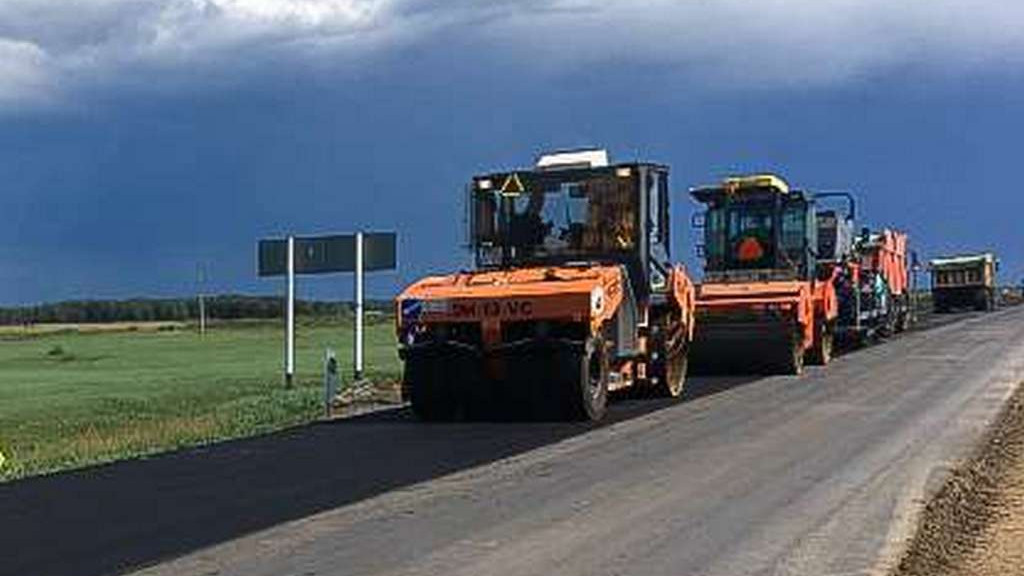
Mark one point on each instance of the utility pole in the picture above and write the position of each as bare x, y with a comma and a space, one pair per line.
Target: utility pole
200, 289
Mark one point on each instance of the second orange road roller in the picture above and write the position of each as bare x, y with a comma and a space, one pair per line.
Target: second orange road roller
786, 278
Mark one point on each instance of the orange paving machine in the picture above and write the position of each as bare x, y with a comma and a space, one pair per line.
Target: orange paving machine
783, 281
573, 297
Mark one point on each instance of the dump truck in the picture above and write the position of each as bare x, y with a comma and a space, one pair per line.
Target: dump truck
573, 297
967, 281
786, 280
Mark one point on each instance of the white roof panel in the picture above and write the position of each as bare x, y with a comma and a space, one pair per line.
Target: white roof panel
965, 259
595, 158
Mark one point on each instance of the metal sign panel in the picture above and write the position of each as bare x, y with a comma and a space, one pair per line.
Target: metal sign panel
327, 254
380, 251
273, 257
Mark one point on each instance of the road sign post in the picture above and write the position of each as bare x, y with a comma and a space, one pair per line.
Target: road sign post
358, 348
331, 381
289, 355
359, 253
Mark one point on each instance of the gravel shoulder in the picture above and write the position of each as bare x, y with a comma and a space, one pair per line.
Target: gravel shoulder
975, 523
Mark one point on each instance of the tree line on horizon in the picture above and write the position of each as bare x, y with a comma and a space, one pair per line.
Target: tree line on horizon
221, 307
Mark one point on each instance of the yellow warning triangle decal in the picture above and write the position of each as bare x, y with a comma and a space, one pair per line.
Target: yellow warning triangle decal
513, 185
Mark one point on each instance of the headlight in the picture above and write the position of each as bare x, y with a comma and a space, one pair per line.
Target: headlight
658, 280
597, 300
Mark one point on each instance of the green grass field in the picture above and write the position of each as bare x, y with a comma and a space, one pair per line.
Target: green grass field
71, 399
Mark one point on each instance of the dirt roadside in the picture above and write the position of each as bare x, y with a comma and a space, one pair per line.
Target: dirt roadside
975, 524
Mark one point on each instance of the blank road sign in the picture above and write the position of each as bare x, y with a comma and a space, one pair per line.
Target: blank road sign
380, 251
326, 254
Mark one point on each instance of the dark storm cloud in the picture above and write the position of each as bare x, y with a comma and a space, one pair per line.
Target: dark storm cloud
140, 138
49, 51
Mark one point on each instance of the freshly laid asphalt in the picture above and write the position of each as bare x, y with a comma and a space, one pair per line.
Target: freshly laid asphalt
822, 474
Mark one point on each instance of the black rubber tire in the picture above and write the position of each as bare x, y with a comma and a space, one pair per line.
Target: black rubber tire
668, 369
586, 382
981, 302
546, 394
793, 361
431, 394
903, 321
673, 380
824, 344
903, 316
888, 327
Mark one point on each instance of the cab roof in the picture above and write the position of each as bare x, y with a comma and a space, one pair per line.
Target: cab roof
963, 260
511, 179
752, 185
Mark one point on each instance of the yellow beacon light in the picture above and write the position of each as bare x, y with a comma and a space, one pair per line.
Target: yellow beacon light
738, 183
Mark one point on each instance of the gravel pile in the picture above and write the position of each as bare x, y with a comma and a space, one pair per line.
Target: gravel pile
975, 524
